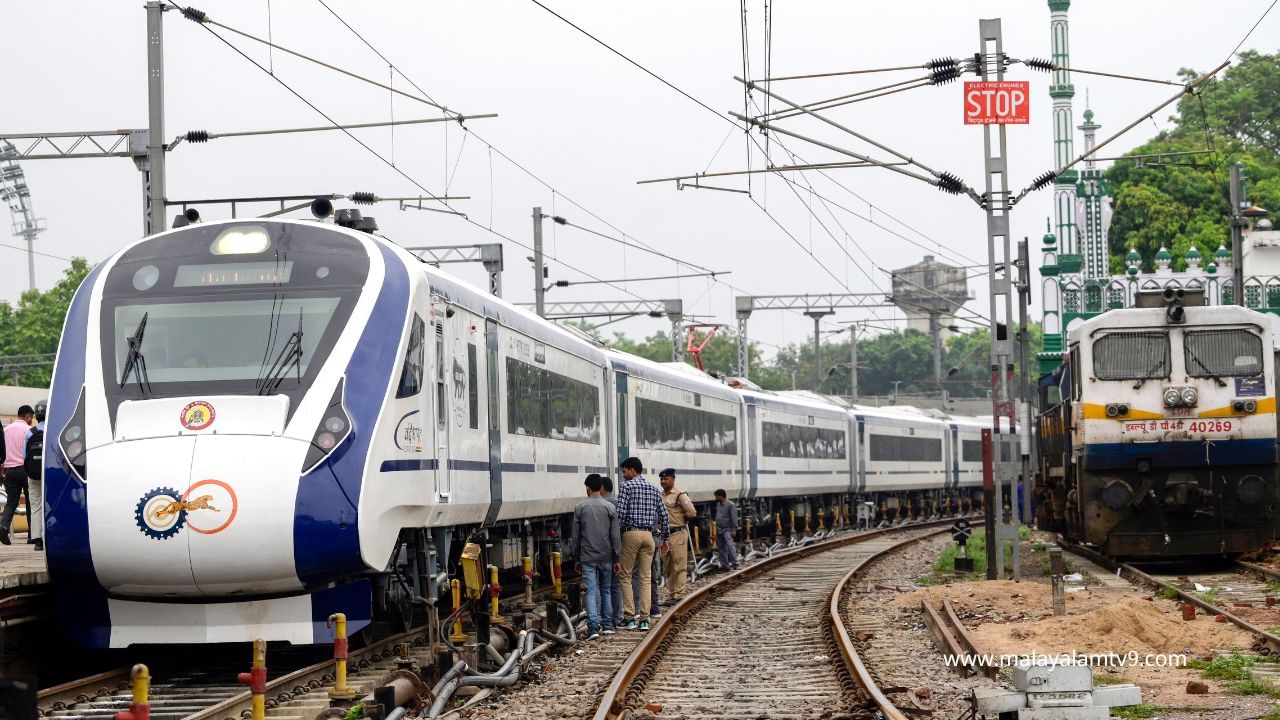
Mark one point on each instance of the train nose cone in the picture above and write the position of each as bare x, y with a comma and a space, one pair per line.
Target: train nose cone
208, 515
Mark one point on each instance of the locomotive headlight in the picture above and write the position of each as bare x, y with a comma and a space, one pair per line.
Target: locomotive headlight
1250, 406
71, 442
334, 428
1112, 410
1172, 397
1190, 396
241, 240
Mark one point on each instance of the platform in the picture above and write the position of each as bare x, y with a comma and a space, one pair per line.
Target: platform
21, 566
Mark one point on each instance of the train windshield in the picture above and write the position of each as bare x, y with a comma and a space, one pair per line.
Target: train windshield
231, 340
227, 309
1132, 356
1220, 353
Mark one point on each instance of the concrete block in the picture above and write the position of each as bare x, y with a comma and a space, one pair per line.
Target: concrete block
1117, 695
1074, 698
992, 701
1052, 678
1065, 713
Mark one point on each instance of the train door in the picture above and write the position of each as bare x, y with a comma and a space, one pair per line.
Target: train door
953, 454
753, 459
495, 429
624, 423
862, 453
444, 477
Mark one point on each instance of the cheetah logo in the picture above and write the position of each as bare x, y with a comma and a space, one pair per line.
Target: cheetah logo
177, 506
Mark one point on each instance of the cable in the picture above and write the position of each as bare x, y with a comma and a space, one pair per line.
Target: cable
624, 243
1248, 137
37, 252
1255, 27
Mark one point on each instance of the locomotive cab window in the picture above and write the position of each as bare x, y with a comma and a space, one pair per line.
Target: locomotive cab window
1217, 353
1132, 356
411, 372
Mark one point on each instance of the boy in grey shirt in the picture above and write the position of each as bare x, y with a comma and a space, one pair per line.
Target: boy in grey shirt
597, 552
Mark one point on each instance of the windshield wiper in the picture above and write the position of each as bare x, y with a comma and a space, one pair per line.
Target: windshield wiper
1147, 375
1209, 373
290, 357
135, 363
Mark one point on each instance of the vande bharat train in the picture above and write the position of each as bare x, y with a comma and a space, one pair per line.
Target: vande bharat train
1159, 433
260, 423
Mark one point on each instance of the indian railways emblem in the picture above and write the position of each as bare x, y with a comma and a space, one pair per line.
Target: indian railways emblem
197, 416
208, 507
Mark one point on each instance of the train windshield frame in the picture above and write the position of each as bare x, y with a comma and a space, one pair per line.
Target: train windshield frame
231, 334
1222, 352
1133, 355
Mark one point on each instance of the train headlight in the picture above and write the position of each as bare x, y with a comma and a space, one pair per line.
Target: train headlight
1250, 406
1122, 409
241, 240
1190, 396
1251, 490
334, 428
72, 442
1238, 406
1172, 397
1113, 410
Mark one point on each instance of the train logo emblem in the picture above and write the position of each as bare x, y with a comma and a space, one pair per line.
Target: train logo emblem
198, 415
208, 507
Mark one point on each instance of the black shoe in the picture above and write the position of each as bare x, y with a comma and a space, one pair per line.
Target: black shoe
39, 543
4, 536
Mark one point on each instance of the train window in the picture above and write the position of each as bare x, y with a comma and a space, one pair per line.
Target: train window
541, 403
1210, 353
473, 389
794, 441
411, 372
901, 448
1132, 356
663, 426
971, 451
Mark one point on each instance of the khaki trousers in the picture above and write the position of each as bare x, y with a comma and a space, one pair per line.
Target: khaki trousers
636, 544
676, 563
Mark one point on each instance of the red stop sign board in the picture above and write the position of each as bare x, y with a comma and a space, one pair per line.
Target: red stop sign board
997, 103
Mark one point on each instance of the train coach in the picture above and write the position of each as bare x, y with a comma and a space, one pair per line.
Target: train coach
255, 424
1158, 437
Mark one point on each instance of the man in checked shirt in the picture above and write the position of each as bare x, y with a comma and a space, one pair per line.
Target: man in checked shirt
640, 510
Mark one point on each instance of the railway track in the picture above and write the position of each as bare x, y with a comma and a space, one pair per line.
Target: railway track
774, 639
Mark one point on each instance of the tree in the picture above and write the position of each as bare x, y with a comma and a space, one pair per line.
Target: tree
35, 325
1182, 201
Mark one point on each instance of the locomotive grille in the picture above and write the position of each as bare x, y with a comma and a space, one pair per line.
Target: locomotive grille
1132, 356
1223, 352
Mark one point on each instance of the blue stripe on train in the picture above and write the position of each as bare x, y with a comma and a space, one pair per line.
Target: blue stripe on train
1182, 453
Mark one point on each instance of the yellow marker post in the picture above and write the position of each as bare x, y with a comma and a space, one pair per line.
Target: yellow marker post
697, 540
140, 707
777, 523
713, 534
458, 635
806, 522
495, 589
748, 528
256, 679
846, 513
340, 691
793, 522
557, 589
528, 605
821, 520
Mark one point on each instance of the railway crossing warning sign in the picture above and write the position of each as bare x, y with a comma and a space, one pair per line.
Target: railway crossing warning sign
997, 103
961, 531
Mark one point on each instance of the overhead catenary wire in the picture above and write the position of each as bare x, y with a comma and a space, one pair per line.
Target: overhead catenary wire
1266, 12
202, 136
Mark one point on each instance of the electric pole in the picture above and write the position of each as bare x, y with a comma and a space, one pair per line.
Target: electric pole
817, 316
539, 292
153, 176
1238, 224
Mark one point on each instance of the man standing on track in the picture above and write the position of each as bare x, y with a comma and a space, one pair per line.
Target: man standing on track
727, 530
15, 478
597, 548
640, 510
612, 499
680, 511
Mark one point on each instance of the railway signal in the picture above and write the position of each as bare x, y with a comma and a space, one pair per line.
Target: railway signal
960, 532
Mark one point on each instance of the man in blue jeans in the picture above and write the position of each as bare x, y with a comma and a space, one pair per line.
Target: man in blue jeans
597, 549
617, 582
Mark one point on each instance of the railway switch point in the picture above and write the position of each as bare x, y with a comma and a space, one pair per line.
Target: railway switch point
341, 692
140, 707
256, 679
1054, 692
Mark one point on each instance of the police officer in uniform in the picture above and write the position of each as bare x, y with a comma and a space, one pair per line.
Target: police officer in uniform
680, 511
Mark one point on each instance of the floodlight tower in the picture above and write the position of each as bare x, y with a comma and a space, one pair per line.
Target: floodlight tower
14, 191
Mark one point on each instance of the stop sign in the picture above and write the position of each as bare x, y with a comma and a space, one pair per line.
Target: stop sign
997, 103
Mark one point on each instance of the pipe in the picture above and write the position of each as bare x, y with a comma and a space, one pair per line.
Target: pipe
457, 669
396, 714
443, 696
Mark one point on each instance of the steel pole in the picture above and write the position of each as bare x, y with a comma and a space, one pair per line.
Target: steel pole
1024, 351
853, 363
935, 334
31, 261
155, 173
539, 292
1237, 234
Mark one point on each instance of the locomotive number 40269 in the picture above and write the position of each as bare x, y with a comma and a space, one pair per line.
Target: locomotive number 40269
1202, 426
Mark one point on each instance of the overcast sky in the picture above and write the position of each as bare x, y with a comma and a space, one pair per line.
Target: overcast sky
588, 125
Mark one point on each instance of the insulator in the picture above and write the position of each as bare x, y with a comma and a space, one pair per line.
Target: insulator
1038, 64
941, 63
363, 198
194, 15
1043, 180
196, 136
942, 76
950, 184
